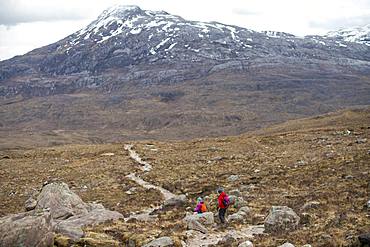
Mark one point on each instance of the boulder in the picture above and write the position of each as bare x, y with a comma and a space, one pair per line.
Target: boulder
160, 242
310, 205
368, 204
233, 178
235, 192
69, 213
26, 229
196, 226
240, 216
30, 204
246, 244
72, 227
205, 218
281, 219
286, 245
228, 240
60, 201
193, 222
176, 201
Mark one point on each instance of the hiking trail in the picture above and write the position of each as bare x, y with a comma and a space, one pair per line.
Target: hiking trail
197, 239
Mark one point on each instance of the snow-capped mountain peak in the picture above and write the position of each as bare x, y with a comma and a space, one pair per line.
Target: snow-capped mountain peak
356, 34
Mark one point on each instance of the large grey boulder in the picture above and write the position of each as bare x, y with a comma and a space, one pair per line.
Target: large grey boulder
72, 227
160, 242
60, 201
26, 229
69, 212
281, 219
240, 216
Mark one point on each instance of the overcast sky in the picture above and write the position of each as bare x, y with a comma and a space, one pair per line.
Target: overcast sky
28, 24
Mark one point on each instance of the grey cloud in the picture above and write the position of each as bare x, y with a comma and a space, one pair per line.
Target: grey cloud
239, 11
338, 23
13, 12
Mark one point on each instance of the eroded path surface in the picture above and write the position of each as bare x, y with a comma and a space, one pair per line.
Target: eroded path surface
147, 214
145, 166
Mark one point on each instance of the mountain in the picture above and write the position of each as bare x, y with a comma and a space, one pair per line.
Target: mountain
136, 74
358, 35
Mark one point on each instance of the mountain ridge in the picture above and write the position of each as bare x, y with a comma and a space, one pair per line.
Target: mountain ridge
152, 75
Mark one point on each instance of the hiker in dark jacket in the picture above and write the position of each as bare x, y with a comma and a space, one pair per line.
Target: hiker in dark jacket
223, 203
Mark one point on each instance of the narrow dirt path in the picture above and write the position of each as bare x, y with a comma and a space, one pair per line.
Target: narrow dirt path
146, 214
197, 239
146, 167
166, 194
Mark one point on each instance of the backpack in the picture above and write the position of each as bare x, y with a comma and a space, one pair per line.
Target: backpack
226, 201
203, 208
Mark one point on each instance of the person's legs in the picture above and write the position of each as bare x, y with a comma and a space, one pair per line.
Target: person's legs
221, 214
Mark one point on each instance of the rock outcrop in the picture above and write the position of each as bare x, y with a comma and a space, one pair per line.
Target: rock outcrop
58, 210
27, 229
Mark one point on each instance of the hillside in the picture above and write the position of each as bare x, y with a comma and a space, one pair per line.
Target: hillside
325, 160
139, 74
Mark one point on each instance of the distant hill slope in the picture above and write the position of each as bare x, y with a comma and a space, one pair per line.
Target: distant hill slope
139, 74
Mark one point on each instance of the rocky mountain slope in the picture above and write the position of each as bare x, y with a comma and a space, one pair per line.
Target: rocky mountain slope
358, 35
318, 167
136, 73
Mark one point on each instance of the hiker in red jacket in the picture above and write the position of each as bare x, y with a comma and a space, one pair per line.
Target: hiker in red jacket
223, 204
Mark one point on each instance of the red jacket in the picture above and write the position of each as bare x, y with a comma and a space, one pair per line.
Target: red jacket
221, 198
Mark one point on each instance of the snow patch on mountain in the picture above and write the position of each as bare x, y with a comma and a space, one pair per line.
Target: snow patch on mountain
356, 35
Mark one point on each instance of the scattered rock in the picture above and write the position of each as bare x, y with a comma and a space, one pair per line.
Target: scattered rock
228, 240
233, 178
235, 192
240, 216
361, 140
286, 245
107, 154
246, 244
306, 218
364, 239
281, 219
217, 158
193, 224
310, 205
5, 157
160, 242
196, 221
26, 229
30, 204
206, 218
348, 177
368, 204
307, 245
176, 201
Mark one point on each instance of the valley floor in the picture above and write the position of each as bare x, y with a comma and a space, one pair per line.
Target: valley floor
325, 159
